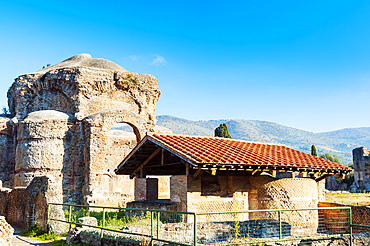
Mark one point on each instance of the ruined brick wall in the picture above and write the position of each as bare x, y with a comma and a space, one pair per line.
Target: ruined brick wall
291, 193
179, 191
337, 220
361, 163
7, 151
230, 193
4, 201
17, 214
27, 206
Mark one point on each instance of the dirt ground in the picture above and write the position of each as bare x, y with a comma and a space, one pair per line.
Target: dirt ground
362, 199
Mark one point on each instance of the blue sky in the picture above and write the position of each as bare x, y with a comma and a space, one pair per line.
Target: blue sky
303, 64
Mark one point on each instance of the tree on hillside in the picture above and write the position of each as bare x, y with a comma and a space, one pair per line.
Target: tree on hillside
334, 158
222, 131
313, 150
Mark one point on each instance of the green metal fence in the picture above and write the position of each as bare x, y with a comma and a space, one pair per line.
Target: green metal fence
214, 228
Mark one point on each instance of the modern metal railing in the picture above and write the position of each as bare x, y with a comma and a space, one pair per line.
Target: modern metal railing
210, 228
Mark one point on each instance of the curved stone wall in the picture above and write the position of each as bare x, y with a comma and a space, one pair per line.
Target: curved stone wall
291, 193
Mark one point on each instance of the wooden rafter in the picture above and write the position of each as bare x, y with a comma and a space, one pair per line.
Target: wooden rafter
324, 176
145, 162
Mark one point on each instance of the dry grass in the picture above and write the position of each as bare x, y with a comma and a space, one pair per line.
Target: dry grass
362, 199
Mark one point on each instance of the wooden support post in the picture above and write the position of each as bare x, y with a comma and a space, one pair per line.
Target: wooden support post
162, 157
187, 169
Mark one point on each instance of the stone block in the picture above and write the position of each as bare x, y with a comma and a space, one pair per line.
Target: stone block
87, 221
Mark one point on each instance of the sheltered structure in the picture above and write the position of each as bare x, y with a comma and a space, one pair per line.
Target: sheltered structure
219, 174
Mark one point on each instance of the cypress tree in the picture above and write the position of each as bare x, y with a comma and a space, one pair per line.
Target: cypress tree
313, 150
222, 131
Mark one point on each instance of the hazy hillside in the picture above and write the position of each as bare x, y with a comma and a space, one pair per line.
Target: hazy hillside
339, 142
359, 135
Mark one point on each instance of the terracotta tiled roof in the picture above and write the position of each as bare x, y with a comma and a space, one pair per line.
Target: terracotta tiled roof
220, 151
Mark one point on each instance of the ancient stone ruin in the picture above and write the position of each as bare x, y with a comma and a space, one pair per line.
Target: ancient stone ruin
60, 122
361, 163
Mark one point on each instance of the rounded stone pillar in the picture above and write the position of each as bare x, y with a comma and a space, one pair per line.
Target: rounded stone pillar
40, 149
291, 193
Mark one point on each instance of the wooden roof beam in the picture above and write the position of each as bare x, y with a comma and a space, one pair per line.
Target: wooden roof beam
198, 173
324, 176
145, 162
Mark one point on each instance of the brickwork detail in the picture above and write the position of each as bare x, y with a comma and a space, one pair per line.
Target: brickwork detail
292, 193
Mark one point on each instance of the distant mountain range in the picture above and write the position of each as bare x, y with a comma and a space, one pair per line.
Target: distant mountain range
340, 142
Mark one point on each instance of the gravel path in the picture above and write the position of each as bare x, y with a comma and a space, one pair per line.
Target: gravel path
18, 240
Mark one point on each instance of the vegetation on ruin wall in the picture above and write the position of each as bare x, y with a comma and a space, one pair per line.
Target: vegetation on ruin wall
112, 219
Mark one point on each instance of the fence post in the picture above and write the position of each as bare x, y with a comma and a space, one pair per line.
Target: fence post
103, 224
195, 230
70, 216
158, 215
47, 220
350, 227
280, 231
151, 228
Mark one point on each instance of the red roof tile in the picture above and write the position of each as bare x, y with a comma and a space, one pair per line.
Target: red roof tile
215, 150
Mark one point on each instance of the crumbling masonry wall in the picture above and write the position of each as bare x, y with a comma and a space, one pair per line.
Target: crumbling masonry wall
361, 163
59, 125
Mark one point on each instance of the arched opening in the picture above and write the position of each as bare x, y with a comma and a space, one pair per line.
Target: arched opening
120, 140
108, 145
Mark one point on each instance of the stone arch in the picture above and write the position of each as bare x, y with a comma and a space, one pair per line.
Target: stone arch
107, 118
97, 126
53, 90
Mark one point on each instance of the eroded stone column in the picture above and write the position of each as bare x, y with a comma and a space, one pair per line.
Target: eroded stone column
41, 147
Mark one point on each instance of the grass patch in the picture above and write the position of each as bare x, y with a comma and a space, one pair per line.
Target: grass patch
360, 199
36, 232
113, 220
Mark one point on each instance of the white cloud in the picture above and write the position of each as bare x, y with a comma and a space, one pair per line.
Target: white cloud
134, 58
158, 60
